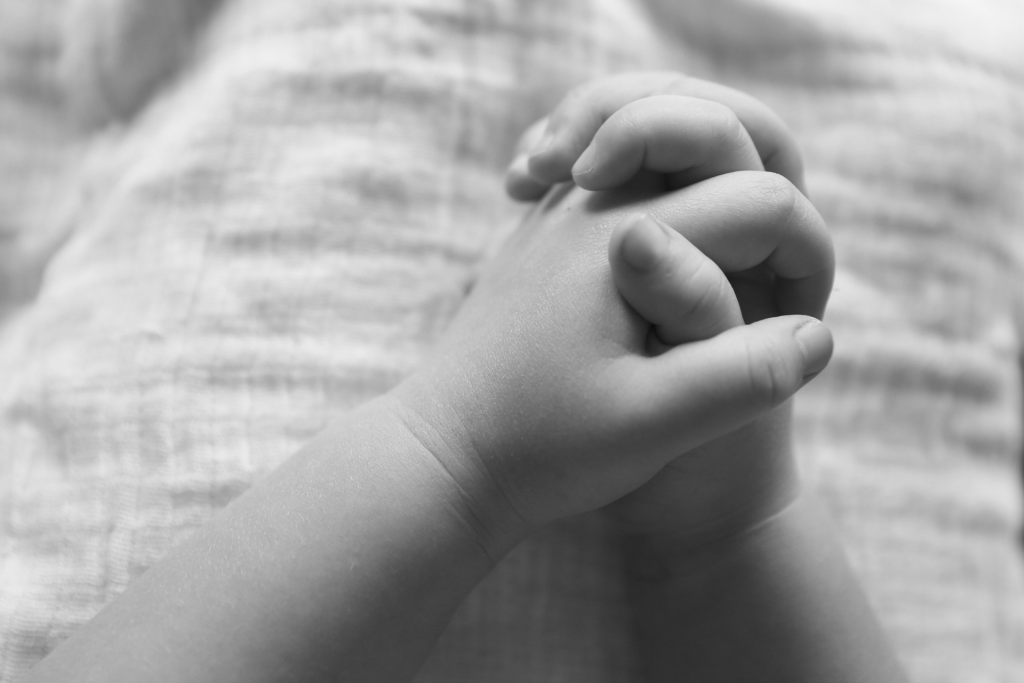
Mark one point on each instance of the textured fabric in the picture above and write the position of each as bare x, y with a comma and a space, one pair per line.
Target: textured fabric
911, 118
38, 150
224, 223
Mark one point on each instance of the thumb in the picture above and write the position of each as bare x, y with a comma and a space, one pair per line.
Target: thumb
695, 392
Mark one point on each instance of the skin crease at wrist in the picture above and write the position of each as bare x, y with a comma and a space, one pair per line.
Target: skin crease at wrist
349, 558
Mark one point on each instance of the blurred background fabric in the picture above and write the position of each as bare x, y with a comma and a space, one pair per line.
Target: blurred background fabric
223, 223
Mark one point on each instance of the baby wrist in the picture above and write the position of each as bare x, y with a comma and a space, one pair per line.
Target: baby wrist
461, 481
664, 555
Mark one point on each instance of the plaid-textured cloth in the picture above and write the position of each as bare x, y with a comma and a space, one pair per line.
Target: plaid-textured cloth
222, 223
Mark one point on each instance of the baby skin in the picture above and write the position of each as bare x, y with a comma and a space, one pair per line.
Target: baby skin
690, 523
562, 386
603, 136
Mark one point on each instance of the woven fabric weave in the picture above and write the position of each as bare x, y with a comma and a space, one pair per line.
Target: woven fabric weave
224, 223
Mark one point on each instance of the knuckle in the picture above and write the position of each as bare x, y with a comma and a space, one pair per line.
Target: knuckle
769, 382
719, 306
677, 83
628, 121
699, 286
724, 122
777, 195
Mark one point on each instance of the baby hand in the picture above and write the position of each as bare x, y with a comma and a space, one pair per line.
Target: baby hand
604, 135
611, 131
737, 480
607, 129
544, 399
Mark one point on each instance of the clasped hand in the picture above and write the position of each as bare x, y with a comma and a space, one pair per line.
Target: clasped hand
606, 341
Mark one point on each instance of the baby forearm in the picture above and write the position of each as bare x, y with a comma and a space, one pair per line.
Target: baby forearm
344, 564
778, 603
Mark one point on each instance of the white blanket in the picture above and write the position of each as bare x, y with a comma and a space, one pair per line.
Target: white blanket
223, 223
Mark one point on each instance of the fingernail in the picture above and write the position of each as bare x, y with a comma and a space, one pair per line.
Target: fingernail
544, 143
807, 378
519, 184
519, 166
815, 342
644, 243
585, 164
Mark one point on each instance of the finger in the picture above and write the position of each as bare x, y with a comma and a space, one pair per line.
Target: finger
519, 184
775, 142
522, 186
530, 137
576, 120
670, 283
690, 138
747, 220
695, 392
578, 116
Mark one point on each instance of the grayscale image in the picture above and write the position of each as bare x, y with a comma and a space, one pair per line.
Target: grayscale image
511, 341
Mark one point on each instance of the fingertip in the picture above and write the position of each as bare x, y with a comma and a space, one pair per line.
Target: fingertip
550, 166
542, 160
533, 137
584, 166
525, 190
595, 173
816, 345
546, 141
786, 352
642, 242
522, 186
